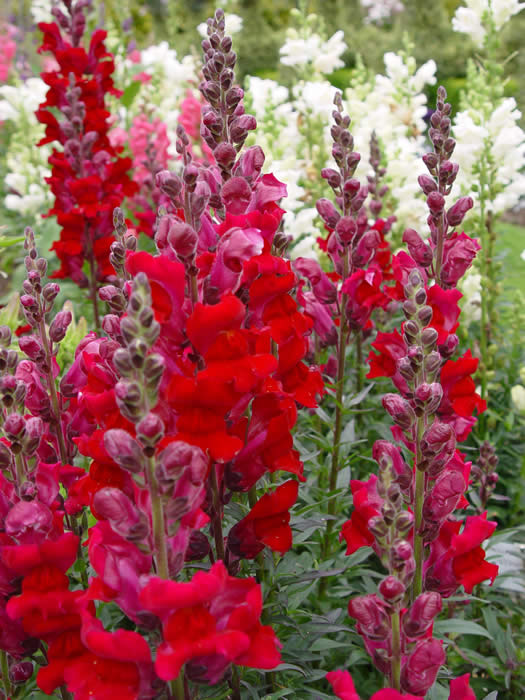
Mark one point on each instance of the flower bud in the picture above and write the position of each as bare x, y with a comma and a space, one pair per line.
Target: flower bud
371, 616
31, 345
429, 335
332, 177
392, 589
124, 450
400, 410
427, 184
50, 292
421, 614
421, 667
236, 195
59, 326
436, 203
404, 522
456, 213
328, 212
418, 249
20, 672
428, 396
444, 497
448, 348
150, 430
6, 456
225, 155
346, 229
377, 527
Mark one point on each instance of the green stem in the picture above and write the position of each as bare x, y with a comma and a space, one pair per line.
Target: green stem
417, 585
177, 687
161, 552
5, 673
341, 351
485, 292
259, 574
396, 652
216, 518
53, 391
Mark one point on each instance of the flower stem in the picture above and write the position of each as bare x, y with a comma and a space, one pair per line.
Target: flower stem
177, 687
418, 540
216, 518
161, 552
5, 673
53, 392
396, 652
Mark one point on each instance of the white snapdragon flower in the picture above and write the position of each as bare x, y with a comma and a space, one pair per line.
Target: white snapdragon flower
517, 394
233, 25
470, 286
301, 224
41, 10
470, 19
266, 94
323, 57
24, 98
379, 11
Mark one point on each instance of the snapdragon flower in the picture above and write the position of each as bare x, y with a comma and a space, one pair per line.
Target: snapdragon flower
380, 11
472, 19
312, 53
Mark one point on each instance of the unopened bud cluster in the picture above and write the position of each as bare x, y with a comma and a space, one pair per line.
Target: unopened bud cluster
225, 126
483, 473
436, 186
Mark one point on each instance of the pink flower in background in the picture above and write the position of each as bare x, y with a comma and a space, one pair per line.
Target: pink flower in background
7, 49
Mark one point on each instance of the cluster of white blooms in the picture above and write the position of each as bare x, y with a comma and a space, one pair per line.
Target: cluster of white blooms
394, 106
311, 53
379, 11
470, 287
26, 165
498, 132
472, 19
41, 10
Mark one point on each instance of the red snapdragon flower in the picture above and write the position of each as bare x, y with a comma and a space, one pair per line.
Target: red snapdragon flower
267, 524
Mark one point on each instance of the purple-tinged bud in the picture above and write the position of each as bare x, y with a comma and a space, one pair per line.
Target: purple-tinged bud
428, 396
378, 527
424, 316
351, 187
182, 238
404, 367
169, 184
236, 195
114, 297
190, 174
346, 229
225, 155
32, 346
421, 296
415, 278
429, 335
29, 521
150, 430
154, 367
358, 200
457, 212
421, 614
444, 497
419, 250
122, 361
402, 559
436, 203
448, 348
411, 330
422, 666
20, 672
436, 437
15, 426
124, 517
6, 456
129, 329
328, 212
59, 326
409, 308
34, 432
125, 450
427, 184
415, 355
28, 301
111, 325
431, 161
332, 177
404, 523
392, 589
5, 336
400, 410
198, 546
50, 292
352, 161
375, 207
240, 127
175, 459
371, 615
366, 248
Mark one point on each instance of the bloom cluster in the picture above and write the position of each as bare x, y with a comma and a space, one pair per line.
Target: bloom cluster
406, 513
88, 178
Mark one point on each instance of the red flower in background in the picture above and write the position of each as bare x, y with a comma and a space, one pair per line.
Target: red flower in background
266, 525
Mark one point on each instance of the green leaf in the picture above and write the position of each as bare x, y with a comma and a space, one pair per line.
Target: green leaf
491, 696
455, 626
8, 242
130, 93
